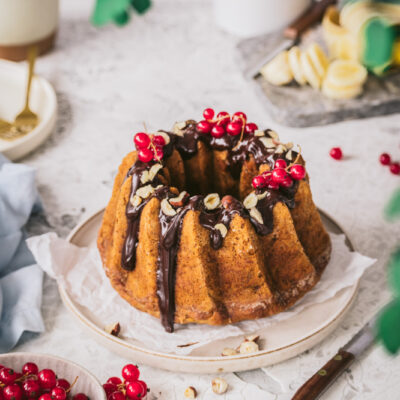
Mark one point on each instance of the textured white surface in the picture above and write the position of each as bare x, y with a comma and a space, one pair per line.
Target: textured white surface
167, 65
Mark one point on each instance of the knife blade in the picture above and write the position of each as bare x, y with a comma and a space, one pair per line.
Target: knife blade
291, 35
323, 378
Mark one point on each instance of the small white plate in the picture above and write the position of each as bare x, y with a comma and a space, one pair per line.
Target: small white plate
86, 383
43, 101
283, 340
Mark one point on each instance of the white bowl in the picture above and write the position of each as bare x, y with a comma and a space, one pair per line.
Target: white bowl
86, 383
248, 18
12, 96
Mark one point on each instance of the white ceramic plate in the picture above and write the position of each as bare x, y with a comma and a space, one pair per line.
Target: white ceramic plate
283, 340
43, 101
86, 383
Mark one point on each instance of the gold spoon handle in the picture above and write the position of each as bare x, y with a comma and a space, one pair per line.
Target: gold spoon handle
32, 54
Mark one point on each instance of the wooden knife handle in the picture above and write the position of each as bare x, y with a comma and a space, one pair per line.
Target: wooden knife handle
319, 382
312, 15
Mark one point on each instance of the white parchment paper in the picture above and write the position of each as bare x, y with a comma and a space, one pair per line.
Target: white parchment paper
79, 270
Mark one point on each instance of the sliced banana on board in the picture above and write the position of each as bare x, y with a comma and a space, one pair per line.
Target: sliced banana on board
278, 71
318, 58
310, 71
295, 65
346, 73
340, 92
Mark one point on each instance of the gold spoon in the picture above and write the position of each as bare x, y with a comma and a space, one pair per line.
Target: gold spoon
5, 128
26, 120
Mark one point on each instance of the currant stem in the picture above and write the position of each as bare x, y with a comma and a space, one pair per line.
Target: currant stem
73, 383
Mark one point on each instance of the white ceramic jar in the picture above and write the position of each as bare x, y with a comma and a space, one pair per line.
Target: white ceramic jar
248, 18
24, 23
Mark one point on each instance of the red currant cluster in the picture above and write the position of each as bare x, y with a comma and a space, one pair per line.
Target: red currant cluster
281, 176
394, 167
131, 388
150, 147
31, 383
224, 123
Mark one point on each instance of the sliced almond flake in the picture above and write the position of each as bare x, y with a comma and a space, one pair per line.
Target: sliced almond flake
280, 149
262, 195
136, 200
267, 142
250, 201
222, 229
289, 155
159, 186
289, 145
273, 134
256, 215
145, 176
252, 338
154, 170
167, 209
145, 191
259, 133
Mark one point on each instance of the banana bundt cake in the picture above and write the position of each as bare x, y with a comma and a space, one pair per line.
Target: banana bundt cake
212, 223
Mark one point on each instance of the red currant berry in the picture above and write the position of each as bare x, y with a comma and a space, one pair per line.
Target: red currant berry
81, 396
250, 128
58, 393
259, 182
204, 127
141, 140
280, 163
234, 128
240, 117
384, 159
145, 155
134, 390
395, 168
30, 369
144, 386
109, 388
114, 380
279, 175
336, 153
7, 376
208, 114
31, 389
273, 185
159, 141
297, 172
223, 118
114, 396
130, 373
287, 182
159, 154
47, 379
218, 131
12, 392
63, 383
46, 396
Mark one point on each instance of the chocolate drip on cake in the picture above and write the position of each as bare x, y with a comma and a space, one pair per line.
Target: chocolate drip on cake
211, 219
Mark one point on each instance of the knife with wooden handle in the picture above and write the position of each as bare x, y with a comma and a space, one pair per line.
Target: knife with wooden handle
320, 381
293, 32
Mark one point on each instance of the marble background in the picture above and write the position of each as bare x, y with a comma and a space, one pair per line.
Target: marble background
169, 65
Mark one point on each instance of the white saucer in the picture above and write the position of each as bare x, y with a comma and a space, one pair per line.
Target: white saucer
12, 97
283, 340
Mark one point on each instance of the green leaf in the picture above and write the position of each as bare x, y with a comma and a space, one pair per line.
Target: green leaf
141, 6
389, 327
394, 272
393, 208
108, 11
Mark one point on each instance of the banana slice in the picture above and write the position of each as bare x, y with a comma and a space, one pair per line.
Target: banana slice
346, 73
340, 92
295, 65
309, 71
318, 58
278, 71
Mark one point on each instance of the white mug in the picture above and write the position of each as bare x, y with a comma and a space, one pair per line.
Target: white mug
248, 18
24, 23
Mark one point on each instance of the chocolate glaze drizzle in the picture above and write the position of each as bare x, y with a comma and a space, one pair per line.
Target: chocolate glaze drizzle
171, 226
